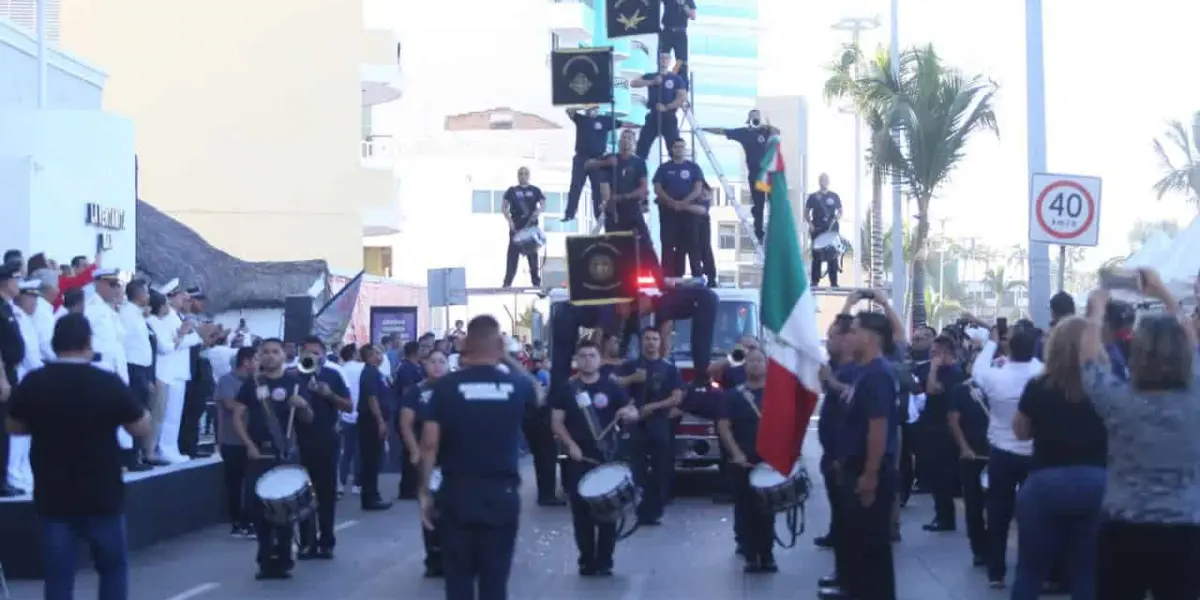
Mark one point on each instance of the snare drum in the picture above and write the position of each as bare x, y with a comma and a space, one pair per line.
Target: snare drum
608, 491
529, 239
777, 492
287, 495
830, 240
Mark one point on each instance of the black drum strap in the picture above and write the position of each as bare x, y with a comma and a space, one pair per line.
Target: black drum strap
749, 397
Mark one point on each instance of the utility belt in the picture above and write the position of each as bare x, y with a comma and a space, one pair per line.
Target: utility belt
680, 28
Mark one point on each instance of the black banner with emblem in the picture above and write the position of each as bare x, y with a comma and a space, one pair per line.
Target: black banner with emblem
601, 269
581, 76
626, 18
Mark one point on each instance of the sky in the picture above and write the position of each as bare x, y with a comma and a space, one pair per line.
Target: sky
1112, 82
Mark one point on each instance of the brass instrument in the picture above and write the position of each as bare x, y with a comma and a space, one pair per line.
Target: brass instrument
737, 356
307, 365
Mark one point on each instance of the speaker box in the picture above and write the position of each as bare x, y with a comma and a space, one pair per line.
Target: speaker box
297, 318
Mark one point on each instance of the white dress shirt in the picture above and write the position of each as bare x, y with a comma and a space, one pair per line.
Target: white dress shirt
44, 320
352, 374
174, 359
33, 358
137, 335
1003, 386
221, 358
108, 336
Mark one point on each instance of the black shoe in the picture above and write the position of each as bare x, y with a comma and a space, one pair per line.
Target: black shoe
8, 491
649, 522
376, 506
139, 467
833, 593
434, 573
307, 553
265, 573
740, 551
552, 502
829, 581
825, 541
768, 565
587, 571
604, 572
938, 527
325, 553
752, 566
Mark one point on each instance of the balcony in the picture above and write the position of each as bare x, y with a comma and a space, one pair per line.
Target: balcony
378, 152
381, 83
573, 21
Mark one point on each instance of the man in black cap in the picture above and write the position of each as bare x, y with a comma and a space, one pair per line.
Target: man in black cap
12, 352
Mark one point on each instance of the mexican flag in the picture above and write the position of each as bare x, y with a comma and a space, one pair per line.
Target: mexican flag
790, 339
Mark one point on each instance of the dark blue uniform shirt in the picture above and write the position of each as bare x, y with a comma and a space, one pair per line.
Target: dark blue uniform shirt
591, 134
663, 93
973, 416
833, 407
754, 144
743, 418
408, 375
325, 413
678, 179
937, 406
480, 410
522, 199
277, 392
662, 379
629, 173
675, 12
873, 397
372, 383
588, 408
417, 399
732, 377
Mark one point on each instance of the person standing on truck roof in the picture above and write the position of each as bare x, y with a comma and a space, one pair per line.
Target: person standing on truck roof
656, 388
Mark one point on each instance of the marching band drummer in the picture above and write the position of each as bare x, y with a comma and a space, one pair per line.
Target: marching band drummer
583, 414
413, 406
325, 390
738, 428
265, 405
521, 207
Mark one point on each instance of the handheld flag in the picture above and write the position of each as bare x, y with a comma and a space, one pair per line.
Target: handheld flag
789, 316
334, 318
625, 18
581, 76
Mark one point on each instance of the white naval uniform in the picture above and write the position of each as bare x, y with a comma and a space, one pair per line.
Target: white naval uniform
44, 319
174, 371
20, 472
108, 340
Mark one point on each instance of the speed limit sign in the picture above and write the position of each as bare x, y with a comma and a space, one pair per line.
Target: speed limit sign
1064, 209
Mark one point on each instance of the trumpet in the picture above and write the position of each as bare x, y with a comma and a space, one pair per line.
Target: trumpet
307, 365
737, 356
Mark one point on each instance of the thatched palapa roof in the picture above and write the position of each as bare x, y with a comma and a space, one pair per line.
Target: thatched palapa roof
167, 249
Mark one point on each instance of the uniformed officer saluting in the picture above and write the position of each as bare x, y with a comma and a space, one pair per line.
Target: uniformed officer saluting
412, 412
584, 410
665, 93
867, 445
738, 428
591, 142
472, 430
327, 394
264, 407
678, 185
753, 139
655, 387
522, 205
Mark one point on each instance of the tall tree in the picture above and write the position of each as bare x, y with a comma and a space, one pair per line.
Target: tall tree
1141, 231
938, 109
1180, 176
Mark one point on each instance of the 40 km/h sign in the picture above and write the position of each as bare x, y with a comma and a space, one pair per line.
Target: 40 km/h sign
1064, 209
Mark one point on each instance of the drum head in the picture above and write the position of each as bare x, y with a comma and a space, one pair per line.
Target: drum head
829, 239
764, 476
281, 482
603, 480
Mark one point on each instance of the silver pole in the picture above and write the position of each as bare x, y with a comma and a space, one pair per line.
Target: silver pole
858, 173
1035, 98
41, 53
898, 273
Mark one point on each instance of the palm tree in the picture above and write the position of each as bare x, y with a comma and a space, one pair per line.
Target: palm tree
1183, 177
1018, 257
886, 255
996, 283
852, 77
1143, 230
938, 109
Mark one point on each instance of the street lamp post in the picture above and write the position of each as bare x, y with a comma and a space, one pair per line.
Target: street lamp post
855, 26
1035, 98
898, 272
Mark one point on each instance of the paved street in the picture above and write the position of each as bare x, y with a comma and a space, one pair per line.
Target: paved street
689, 558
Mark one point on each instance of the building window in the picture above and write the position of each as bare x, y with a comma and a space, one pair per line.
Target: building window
377, 260
727, 236
556, 225
481, 202
746, 243
555, 203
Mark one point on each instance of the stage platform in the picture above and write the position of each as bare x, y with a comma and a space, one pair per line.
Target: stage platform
161, 504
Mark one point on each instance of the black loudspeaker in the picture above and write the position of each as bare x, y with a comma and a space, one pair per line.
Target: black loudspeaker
297, 318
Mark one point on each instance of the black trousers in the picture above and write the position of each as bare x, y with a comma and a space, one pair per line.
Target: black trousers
578, 175
908, 461
1135, 558
433, 546
868, 572
829, 474
370, 455
319, 458
4, 435
707, 258
820, 260
408, 479
758, 523
759, 202
974, 506
941, 456
233, 461
510, 265
477, 558
665, 124
545, 453
679, 236
274, 541
675, 39
195, 401
653, 468
596, 541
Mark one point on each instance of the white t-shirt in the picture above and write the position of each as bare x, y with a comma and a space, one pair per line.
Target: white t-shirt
1003, 386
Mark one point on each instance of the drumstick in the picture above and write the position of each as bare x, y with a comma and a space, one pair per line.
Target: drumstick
606, 429
292, 414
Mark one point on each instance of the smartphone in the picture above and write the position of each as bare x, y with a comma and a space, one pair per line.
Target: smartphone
1002, 326
1114, 279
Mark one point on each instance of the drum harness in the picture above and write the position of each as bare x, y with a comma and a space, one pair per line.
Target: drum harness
794, 516
624, 529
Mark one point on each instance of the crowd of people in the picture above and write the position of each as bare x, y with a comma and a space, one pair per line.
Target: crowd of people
1084, 435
